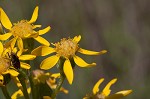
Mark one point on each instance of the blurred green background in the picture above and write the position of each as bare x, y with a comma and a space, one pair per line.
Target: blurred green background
120, 26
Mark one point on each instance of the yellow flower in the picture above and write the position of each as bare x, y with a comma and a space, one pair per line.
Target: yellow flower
105, 93
6, 65
66, 48
50, 79
23, 29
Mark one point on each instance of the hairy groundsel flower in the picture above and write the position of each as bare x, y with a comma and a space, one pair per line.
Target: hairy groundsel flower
105, 93
6, 66
23, 29
66, 49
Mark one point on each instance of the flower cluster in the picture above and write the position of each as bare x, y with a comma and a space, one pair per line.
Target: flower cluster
15, 57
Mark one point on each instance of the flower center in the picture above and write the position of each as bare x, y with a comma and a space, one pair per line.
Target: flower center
4, 64
66, 48
22, 29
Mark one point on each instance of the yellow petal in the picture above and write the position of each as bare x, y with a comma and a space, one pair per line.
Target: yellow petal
96, 86
43, 31
17, 94
36, 26
20, 46
124, 92
56, 75
42, 40
49, 62
11, 43
20, 43
25, 65
33, 35
119, 95
27, 57
5, 52
1, 77
80, 62
5, 36
42, 51
35, 15
17, 82
5, 20
12, 72
106, 90
1, 80
14, 50
19, 53
1, 48
64, 90
77, 38
88, 52
68, 71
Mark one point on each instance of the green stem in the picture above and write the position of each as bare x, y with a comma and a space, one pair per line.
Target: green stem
61, 80
22, 81
5, 92
33, 87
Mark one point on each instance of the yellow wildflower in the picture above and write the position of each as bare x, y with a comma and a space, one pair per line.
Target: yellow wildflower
66, 48
50, 79
23, 29
105, 93
5, 63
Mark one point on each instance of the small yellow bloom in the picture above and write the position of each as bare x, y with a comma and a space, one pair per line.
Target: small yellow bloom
105, 93
66, 48
50, 79
23, 29
6, 65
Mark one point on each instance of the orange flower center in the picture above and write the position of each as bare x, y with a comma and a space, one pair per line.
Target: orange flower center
22, 29
4, 64
66, 48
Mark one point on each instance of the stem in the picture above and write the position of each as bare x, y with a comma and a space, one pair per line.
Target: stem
33, 88
61, 80
22, 81
5, 92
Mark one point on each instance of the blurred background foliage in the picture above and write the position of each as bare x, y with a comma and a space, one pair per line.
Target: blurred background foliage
120, 26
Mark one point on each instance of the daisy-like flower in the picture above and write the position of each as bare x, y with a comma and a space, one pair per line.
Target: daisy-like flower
6, 65
105, 93
66, 48
23, 29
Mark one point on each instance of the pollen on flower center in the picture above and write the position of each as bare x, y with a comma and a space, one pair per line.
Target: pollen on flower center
66, 48
4, 64
22, 29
